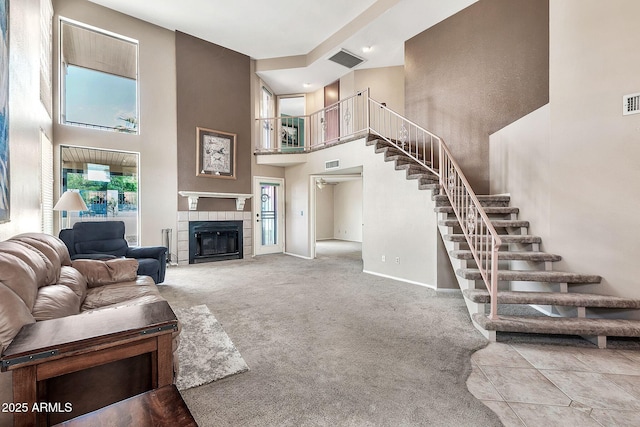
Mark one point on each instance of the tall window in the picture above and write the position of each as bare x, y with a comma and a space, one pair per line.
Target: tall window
108, 183
99, 79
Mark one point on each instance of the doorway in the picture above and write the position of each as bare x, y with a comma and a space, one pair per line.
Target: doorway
336, 214
332, 114
291, 111
268, 211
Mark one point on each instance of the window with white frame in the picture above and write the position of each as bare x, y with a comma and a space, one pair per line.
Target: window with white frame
98, 78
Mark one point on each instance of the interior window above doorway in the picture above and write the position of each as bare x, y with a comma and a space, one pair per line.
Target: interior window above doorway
99, 79
107, 182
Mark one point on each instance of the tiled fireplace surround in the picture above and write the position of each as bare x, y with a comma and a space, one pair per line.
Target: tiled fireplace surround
183, 229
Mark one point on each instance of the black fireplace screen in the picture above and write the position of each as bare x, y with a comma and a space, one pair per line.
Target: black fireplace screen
214, 241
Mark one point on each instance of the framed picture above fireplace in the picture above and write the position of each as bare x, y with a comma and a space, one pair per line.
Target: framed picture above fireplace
215, 153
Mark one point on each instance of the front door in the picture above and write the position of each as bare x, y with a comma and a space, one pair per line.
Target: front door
268, 211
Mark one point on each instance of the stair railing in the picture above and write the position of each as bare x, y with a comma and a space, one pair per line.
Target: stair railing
413, 140
359, 115
347, 118
482, 238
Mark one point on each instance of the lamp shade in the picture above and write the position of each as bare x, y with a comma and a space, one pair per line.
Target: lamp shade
70, 201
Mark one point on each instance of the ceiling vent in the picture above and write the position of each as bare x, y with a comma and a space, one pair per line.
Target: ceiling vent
331, 164
631, 104
345, 58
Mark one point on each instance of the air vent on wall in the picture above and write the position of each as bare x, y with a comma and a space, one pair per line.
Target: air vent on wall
346, 58
331, 164
631, 104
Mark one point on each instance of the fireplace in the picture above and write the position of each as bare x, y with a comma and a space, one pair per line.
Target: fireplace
214, 241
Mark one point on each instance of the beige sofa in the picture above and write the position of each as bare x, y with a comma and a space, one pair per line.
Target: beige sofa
38, 281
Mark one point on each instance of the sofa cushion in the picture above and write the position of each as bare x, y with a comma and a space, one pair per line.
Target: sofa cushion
49, 255
55, 301
16, 275
117, 247
14, 314
142, 290
104, 272
74, 280
48, 242
35, 259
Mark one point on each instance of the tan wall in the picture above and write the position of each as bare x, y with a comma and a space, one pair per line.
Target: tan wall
385, 84
476, 72
214, 92
156, 142
26, 117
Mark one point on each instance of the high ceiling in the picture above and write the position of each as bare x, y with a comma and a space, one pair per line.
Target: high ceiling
293, 39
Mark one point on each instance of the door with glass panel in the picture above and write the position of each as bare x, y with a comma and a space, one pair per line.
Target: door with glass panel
268, 215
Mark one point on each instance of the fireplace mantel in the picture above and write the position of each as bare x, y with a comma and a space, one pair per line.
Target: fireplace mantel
195, 195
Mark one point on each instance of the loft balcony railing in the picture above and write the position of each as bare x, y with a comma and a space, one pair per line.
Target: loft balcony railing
359, 116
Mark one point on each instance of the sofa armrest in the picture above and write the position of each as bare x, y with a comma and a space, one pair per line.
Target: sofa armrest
156, 252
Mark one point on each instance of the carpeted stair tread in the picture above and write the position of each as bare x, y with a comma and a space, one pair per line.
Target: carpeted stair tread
568, 299
511, 256
432, 186
561, 325
485, 200
532, 276
425, 178
411, 168
497, 223
489, 210
507, 238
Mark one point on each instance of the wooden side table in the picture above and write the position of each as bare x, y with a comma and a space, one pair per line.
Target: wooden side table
56, 347
162, 407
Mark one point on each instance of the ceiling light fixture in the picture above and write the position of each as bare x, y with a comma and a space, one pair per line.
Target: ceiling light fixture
366, 49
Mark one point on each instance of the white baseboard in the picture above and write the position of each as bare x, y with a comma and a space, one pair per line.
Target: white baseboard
296, 255
399, 279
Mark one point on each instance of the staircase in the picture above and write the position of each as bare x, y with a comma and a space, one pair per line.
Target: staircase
526, 276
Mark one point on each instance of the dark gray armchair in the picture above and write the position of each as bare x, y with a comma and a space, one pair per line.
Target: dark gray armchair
105, 239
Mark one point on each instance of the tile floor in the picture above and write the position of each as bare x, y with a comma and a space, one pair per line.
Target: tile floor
542, 385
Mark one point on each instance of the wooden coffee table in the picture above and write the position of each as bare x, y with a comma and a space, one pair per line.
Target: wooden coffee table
162, 407
56, 347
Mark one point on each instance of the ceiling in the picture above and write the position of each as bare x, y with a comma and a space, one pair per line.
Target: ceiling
291, 40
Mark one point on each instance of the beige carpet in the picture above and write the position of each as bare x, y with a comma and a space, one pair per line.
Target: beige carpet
331, 346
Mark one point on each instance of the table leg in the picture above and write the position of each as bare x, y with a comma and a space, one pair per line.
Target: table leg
25, 396
165, 360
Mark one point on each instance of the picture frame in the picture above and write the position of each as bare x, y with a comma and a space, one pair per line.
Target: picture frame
289, 137
5, 199
215, 153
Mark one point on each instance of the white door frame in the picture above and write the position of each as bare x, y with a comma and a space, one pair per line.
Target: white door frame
258, 249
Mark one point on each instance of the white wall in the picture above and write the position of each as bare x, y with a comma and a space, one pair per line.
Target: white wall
573, 166
156, 142
26, 117
513, 171
347, 198
594, 61
398, 218
325, 213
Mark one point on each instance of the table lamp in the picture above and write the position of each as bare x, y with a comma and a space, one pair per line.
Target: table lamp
70, 201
